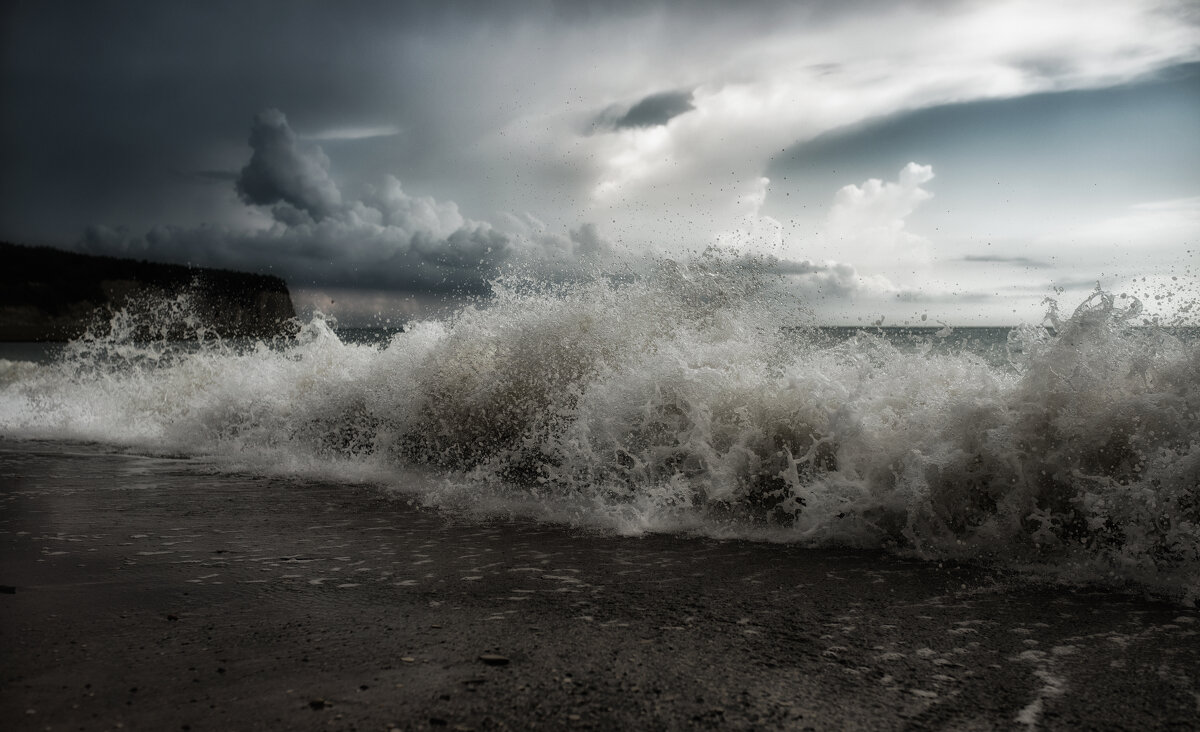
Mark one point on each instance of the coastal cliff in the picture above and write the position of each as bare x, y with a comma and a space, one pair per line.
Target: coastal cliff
53, 295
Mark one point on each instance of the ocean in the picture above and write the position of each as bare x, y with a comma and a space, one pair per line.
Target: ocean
699, 400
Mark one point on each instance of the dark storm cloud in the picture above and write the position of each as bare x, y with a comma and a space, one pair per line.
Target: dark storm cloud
324, 254
280, 172
387, 239
656, 109
468, 248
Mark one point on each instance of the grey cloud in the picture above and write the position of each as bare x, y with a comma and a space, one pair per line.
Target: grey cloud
656, 109
1038, 290
836, 279
1018, 261
831, 279
567, 249
804, 267
281, 172
467, 247
390, 239
918, 296
1077, 283
112, 240
329, 253
587, 240
289, 215
1046, 67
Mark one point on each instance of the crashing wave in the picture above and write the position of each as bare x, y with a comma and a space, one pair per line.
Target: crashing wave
692, 397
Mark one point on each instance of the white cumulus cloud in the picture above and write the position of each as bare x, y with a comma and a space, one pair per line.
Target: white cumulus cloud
867, 222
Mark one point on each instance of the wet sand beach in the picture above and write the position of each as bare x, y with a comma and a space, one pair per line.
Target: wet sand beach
149, 593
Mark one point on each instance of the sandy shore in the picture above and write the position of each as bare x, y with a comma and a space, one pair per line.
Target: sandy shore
142, 593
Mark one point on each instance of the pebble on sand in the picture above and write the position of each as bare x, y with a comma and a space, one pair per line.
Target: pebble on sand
493, 659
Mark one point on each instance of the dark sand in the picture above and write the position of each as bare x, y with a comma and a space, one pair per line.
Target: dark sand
150, 595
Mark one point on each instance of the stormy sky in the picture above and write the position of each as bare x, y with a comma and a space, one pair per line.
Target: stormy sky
953, 160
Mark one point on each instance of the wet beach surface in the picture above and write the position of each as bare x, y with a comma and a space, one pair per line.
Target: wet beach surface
150, 593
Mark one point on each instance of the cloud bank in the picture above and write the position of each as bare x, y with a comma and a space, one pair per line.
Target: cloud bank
386, 239
389, 239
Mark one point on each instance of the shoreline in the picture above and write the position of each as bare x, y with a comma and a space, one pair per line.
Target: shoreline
153, 595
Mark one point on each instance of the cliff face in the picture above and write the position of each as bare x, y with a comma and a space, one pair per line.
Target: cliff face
52, 295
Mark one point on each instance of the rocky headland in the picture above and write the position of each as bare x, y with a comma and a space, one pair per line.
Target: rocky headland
53, 295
